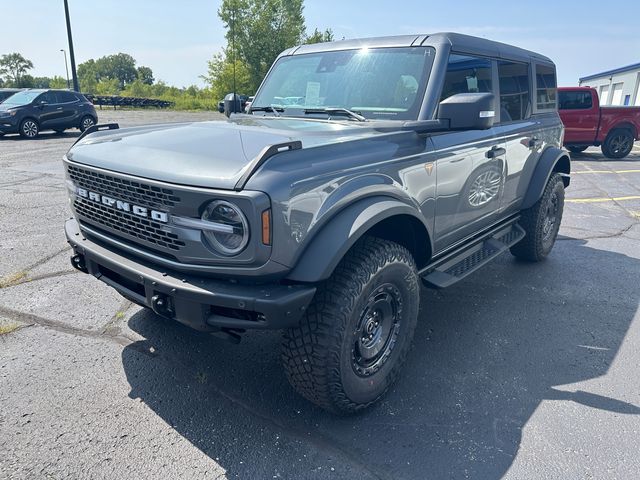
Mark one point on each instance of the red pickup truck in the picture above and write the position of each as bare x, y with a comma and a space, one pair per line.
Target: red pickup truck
586, 123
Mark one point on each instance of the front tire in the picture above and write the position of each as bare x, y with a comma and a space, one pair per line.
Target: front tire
352, 343
541, 223
618, 144
29, 128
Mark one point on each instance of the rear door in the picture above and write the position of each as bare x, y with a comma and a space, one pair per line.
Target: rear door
521, 132
69, 103
579, 115
470, 164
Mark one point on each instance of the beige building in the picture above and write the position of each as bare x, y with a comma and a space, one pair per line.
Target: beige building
620, 86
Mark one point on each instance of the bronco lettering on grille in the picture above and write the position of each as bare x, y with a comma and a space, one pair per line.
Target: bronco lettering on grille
124, 206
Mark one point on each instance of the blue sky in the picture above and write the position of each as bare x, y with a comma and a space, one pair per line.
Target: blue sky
177, 37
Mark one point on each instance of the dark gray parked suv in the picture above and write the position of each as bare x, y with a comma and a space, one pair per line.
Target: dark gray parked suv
364, 168
30, 111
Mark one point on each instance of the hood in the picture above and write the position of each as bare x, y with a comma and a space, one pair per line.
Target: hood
6, 106
204, 154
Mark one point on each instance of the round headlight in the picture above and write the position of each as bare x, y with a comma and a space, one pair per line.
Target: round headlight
229, 231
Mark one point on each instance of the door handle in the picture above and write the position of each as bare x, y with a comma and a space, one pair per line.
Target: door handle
535, 143
495, 152
59, 108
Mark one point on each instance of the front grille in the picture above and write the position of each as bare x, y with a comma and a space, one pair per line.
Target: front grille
129, 224
137, 193
123, 189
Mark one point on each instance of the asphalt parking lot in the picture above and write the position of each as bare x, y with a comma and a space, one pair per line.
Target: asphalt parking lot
520, 371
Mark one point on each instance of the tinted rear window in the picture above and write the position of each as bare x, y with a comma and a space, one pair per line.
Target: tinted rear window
515, 91
546, 87
66, 97
574, 100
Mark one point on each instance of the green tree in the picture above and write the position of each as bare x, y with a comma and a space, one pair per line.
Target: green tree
13, 66
259, 30
108, 86
145, 75
220, 76
121, 67
58, 82
318, 37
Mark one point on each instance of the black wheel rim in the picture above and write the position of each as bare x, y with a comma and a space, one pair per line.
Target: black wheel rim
377, 330
550, 218
621, 144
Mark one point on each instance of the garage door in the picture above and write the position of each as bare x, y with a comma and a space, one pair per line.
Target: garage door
616, 99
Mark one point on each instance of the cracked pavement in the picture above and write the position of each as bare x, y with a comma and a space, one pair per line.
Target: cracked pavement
520, 371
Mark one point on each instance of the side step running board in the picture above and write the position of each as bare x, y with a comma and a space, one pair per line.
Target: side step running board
457, 265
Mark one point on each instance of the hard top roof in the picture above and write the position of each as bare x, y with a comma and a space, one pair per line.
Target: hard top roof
457, 41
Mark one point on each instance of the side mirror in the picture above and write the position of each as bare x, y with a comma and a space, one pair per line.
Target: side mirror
232, 104
468, 111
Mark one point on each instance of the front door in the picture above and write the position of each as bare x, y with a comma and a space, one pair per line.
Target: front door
471, 164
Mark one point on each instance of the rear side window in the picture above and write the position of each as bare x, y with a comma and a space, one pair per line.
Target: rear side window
467, 74
546, 87
66, 97
49, 97
515, 91
574, 100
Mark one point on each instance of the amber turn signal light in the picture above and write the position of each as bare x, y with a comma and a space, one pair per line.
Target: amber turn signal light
266, 227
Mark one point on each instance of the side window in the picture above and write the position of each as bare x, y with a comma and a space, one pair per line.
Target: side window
466, 74
49, 97
66, 97
546, 87
574, 100
515, 91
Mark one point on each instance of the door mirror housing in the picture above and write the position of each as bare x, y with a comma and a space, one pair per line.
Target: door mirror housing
468, 111
232, 104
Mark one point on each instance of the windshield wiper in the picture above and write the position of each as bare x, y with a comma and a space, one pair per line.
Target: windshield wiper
336, 111
269, 108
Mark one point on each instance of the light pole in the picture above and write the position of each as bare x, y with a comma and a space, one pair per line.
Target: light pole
72, 57
66, 66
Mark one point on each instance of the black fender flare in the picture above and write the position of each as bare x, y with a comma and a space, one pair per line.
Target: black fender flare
329, 245
552, 160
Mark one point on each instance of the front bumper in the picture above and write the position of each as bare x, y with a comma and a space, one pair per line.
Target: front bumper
8, 125
201, 303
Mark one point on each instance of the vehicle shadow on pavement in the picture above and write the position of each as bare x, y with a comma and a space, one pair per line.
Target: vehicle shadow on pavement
42, 136
487, 352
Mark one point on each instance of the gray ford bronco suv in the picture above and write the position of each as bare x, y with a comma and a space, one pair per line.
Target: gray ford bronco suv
362, 169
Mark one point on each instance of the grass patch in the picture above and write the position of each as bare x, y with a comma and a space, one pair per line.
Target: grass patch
119, 315
13, 279
8, 327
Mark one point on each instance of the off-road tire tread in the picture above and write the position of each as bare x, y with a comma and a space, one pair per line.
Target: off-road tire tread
530, 247
311, 351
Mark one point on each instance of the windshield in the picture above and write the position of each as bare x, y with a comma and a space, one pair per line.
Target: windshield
22, 98
377, 83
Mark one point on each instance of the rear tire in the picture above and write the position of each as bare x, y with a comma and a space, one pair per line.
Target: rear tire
352, 343
541, 223
86, 122
618, 144
29, 128
574, 149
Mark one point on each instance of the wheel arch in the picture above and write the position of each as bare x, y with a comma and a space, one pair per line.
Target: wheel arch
383, 217
552, 160
625, 125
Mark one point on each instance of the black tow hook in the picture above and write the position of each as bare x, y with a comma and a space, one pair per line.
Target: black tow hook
162, 305
77, 261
